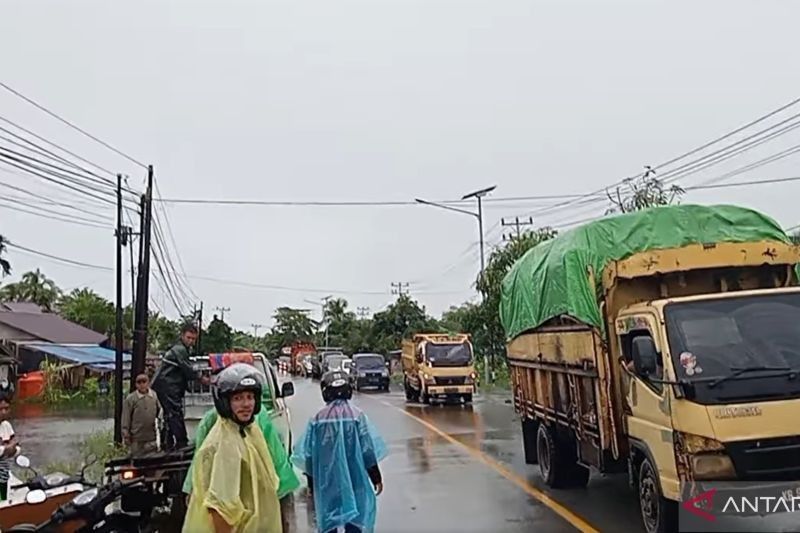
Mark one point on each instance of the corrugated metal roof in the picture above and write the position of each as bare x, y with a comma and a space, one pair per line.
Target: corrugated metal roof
21, 307
51, 328
92, 356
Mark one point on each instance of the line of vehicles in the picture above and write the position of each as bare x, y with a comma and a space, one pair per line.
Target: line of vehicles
435, 366
665, 345
366, 370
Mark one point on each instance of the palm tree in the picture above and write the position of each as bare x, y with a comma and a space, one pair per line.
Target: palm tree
34, 287
5, 266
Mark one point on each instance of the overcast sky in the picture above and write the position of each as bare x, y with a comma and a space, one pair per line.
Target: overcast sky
381, 100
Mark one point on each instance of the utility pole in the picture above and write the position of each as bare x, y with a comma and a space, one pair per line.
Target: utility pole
323, 303
400, 288
363, 312
478, 195
256, 327
516, 223
222, 311
120, 236
141, 312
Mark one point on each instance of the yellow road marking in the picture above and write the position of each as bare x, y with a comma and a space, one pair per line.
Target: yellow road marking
576, 521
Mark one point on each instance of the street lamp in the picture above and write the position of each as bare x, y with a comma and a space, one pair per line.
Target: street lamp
322, 305
478, 195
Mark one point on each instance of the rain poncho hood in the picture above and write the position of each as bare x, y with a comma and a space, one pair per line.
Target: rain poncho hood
339, 445
234, 475
287, 479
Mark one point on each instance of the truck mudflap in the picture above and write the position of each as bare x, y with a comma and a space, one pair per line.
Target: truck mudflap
435, 390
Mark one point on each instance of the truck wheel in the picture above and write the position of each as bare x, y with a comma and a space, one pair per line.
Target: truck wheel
558, 462
468, 398
529, 432
423, 397
659, 515
411, 394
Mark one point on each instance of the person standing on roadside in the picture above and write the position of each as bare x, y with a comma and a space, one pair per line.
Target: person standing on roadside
171, 382
140, 411
9, 446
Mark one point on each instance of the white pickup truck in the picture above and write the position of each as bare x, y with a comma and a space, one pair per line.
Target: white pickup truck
199, 400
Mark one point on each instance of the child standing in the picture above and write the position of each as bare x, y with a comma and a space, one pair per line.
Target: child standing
9, 447
339, 455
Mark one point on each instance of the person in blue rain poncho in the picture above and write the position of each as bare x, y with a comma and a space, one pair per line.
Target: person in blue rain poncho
339, 454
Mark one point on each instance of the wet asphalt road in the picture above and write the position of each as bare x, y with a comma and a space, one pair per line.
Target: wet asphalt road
450, 468
457, 468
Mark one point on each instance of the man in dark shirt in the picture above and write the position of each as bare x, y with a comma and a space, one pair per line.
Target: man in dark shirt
171, 382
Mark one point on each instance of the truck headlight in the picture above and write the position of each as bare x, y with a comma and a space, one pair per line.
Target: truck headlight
470, 380
428, 378
712, 467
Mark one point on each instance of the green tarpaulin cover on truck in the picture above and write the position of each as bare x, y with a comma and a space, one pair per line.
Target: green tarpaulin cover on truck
552, 278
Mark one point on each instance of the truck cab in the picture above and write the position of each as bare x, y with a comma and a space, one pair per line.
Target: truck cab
438, 366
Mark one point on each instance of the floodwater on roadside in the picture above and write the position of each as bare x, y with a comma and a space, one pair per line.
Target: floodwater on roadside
53, 433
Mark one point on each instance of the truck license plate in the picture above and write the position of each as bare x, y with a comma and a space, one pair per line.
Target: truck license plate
451, 390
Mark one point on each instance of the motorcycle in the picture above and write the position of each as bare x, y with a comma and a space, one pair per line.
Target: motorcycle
88, 512
58, 488
159, 500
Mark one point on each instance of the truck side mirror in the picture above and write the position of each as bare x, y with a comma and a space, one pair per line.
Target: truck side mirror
645, 356
287, 389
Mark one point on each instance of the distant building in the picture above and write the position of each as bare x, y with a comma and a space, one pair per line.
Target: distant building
30, 335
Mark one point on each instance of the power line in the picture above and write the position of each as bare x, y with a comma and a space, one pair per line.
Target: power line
57, 258
47, 199
38, 213
70, 124
172, 240
50, 176
561, 205
51, 143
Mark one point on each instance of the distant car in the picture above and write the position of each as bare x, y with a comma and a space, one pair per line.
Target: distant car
273, 398
370, 370
314, 366
333, 361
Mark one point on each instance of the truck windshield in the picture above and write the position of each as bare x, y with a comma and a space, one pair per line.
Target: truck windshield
736, 349
448, 354
370, 363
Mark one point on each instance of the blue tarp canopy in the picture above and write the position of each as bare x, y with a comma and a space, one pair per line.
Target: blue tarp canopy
90, 355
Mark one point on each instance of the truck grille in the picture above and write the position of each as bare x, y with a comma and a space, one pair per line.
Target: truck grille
775, 459
450, 381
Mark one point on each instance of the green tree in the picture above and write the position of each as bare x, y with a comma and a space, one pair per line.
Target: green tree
5, 266
162, 333
89, 309
642, 192
34, 287
290, 325
339, 321
399, 321
218, 337
491, 341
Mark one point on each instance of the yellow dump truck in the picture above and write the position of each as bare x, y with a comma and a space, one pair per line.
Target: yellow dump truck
438, 366
664, 344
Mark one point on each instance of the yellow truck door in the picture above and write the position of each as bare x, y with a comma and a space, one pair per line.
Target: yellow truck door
649, 420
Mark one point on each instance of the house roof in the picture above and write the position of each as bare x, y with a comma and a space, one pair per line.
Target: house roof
91, 355
51, 328
21, 307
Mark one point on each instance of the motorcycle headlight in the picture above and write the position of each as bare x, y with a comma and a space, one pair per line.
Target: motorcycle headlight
85, 497
712, 467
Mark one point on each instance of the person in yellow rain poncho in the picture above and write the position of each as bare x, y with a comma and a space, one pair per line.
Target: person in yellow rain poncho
234, 483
